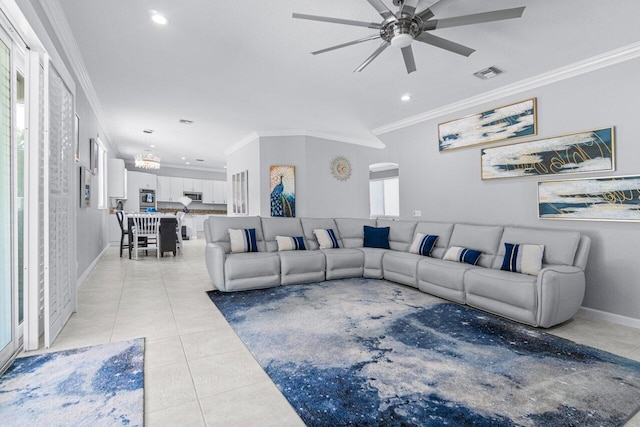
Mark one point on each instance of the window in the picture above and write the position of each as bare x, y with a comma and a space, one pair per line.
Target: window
384, 190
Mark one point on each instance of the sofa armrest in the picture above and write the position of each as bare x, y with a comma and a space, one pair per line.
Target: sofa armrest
214, 256
560, 294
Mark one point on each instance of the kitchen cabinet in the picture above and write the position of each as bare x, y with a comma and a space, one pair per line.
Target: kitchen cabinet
192, 185
146, 181
208, 195
135, 182
164, 189
177, 188
220, 192
117, 179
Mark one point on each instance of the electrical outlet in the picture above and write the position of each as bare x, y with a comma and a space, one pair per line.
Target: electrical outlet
417, 213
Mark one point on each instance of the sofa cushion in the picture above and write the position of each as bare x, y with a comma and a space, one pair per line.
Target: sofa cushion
343, 263
243, 240
441, 229
458, 254
273, 227
445, 274
373, 262
376, 237
423, 244
351, 230
310, 224
251, 264
483, 238
308, 266
401, 267
559, 246
218, 230
515, 289
286, 243
400, 233
525, 259
326, 238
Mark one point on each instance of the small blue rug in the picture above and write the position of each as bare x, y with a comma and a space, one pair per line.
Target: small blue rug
373, 353
102, 385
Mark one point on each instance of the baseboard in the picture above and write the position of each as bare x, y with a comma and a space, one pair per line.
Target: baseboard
91, 266
590, 313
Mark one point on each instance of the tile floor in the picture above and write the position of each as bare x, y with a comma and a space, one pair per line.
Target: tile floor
197, 371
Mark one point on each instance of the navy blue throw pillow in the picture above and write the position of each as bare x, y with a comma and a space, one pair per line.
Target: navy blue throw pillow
375, 237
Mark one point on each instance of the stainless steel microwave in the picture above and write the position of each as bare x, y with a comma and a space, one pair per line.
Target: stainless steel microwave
196, 197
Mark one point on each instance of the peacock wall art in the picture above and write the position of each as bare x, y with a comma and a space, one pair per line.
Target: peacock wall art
283, 191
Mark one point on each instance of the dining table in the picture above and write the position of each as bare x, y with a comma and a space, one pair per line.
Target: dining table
168, 236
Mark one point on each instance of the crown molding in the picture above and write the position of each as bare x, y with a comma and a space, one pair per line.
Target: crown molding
625, 53
55, 14
253, 136
130, 164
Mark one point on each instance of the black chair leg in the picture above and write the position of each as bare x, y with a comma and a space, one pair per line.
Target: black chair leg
121, 243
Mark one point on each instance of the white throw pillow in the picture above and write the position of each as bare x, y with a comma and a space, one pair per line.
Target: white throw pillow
327, 238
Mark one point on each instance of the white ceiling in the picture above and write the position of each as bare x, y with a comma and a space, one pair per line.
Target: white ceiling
237, 67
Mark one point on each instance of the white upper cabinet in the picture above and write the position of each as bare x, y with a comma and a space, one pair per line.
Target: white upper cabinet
117, 179
208, 191
220, 192
146, 181
177, 188
164, 189
192, 185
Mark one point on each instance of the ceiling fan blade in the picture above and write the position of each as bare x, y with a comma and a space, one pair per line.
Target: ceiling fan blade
409, 61
428, 12
445, 44
373, 56
476, 18
382, 9
373, 25
408, 8
364, 39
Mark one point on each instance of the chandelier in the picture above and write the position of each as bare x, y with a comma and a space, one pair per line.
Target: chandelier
147, 161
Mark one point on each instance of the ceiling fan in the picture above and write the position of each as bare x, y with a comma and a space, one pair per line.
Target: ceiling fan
402, 28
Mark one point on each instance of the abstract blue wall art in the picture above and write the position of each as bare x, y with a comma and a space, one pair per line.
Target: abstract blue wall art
511, 121
588, 151
615, 198
283, 191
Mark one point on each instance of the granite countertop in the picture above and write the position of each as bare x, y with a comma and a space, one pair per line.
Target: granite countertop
196, 211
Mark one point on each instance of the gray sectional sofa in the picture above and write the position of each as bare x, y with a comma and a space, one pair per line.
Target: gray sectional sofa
545, 300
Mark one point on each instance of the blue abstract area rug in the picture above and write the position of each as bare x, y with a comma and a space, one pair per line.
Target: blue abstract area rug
373, 353
102, 385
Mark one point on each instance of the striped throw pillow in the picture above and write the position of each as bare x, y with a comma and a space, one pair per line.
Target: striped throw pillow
423, 244
326, 238
458, 254
286, 243
525, 259
243, 240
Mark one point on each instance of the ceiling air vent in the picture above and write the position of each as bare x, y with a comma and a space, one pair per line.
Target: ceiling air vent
488, 73
185, 121
199, 160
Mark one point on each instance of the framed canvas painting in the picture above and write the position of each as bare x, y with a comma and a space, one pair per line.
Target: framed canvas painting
510, 121
615, 198
581, 152
282, 191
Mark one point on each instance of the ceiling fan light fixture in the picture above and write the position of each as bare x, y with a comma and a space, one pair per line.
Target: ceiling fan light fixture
401, 40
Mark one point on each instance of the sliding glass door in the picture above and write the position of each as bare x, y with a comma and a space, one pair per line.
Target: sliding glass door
7, 307
12, 196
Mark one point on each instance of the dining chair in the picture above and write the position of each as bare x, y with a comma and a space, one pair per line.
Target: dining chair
179, 218
147, 226
124, 233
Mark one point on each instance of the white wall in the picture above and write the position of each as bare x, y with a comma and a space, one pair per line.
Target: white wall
447, 186
246, 158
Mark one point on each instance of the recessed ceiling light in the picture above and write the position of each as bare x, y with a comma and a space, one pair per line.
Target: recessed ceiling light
406, 97
157, 17
187, 163
183, 158
152, 145
225, 166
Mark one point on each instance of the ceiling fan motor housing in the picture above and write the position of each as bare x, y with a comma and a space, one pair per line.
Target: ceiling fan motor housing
400, 33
